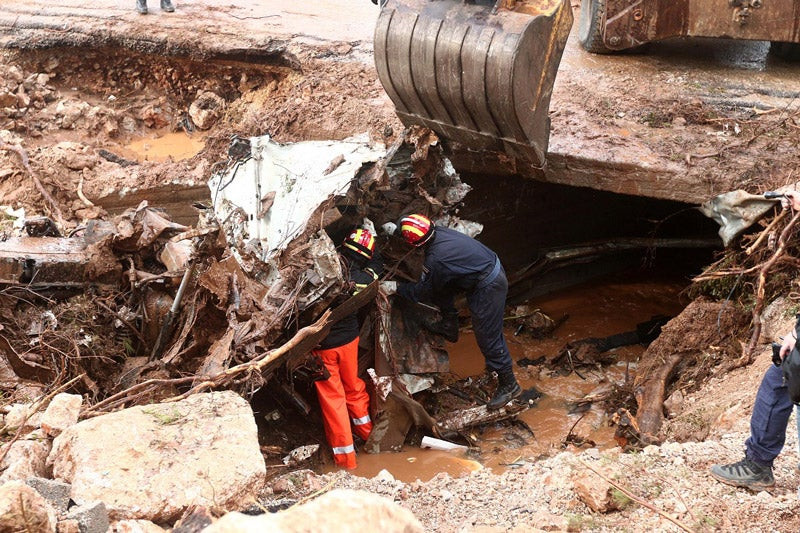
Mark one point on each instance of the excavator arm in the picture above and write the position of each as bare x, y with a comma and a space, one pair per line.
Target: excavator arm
478, 73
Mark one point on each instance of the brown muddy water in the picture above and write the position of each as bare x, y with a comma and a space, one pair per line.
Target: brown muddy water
165, 146
597, 309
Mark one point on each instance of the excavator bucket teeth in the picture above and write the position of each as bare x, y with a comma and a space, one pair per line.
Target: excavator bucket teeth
478, 76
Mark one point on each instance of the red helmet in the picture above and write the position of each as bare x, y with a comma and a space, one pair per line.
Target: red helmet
416, 229
362, 242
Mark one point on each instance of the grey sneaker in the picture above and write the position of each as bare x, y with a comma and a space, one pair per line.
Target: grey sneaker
745, 474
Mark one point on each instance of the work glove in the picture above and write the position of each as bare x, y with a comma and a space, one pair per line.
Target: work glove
368, 225
389, 287
389, 228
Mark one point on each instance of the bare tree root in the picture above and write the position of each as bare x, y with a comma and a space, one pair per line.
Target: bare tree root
749, 354
638, 500
650, 397
23, 155
222, 379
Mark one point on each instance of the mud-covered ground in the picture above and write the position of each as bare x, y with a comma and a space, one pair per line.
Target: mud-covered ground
661, 124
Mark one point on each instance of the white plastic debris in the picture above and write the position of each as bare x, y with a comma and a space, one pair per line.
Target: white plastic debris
439, 444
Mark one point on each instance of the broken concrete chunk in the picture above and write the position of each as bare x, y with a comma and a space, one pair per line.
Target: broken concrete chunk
381, 514
24, 509
55, 492
206, 110
62, 413
152, 462
595, 491
91, 517
25, 459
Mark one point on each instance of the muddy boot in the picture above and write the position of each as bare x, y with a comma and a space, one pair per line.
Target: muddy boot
141, 6
745, 474
167, 6
507, 390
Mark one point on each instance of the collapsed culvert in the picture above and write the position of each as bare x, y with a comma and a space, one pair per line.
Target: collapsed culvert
244, 322
548, 237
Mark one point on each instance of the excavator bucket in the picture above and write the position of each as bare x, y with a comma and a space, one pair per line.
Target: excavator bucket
477, 73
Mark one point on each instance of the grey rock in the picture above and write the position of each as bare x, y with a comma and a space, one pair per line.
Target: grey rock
92, 517
55, 492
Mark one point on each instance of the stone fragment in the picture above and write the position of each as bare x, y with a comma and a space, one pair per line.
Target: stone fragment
25, 459
22, 415
152, 462
61, 413
24, 509
594, 491
14, 73
206, 110
55, 492
333, 512
8, 99
91, 517
673, 404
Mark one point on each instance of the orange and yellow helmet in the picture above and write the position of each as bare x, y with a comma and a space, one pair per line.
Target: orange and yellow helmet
362, 242
416, 229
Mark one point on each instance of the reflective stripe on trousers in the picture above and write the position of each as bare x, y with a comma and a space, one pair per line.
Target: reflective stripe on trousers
343, 397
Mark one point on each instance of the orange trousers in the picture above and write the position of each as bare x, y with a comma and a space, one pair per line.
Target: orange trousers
343, 398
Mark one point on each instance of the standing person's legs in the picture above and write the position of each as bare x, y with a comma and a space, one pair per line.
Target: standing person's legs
771, 411
487, 306
770, 418
355, 390
334, 410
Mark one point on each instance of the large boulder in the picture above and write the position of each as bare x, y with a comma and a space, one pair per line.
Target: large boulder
23, 509
152, 462
338, 511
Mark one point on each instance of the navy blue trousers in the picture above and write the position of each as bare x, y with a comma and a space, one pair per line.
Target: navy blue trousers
770, 417
487, 306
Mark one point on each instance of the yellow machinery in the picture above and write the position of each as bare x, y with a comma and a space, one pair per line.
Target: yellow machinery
478, 73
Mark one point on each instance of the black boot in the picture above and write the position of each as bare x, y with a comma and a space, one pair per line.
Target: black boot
167, 6
141, 6
507, 390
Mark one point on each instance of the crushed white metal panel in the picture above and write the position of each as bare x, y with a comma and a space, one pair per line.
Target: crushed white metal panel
264, 202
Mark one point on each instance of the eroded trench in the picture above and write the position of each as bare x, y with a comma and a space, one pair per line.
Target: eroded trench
122, 127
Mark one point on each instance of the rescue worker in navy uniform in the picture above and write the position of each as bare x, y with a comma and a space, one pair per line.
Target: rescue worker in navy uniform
455, 263
769, 420
343, 397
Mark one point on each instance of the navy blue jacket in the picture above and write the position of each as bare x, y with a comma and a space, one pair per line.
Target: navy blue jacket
454, 262
361, 274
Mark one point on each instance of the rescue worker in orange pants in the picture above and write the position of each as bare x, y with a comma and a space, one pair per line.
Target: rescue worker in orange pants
343, 397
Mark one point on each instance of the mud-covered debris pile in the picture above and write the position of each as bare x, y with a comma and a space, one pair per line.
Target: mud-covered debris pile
139, 308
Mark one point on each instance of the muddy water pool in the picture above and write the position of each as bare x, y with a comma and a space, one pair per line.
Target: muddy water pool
176, 145
598, 309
